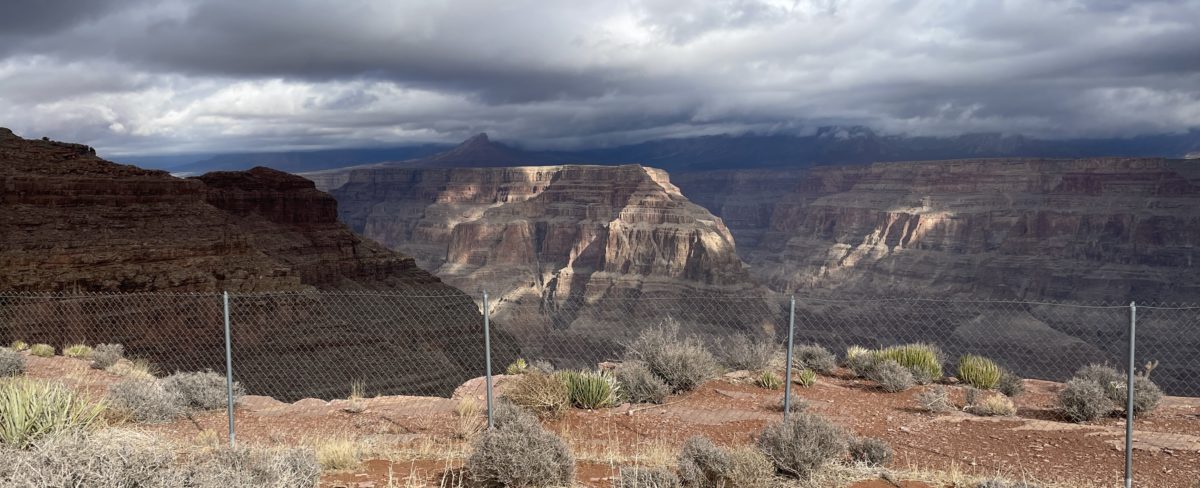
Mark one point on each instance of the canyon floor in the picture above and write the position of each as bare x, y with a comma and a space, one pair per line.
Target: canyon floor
421, 441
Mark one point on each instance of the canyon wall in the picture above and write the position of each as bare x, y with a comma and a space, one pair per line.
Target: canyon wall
561, 248
71, 222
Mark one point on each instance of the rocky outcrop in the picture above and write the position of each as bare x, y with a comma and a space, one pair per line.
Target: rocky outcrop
556, 245
71, 222
1093, 229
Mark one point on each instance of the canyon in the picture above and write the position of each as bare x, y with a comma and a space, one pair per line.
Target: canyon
582, 251
71, 222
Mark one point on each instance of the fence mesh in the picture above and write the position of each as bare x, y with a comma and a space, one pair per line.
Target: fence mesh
425, 352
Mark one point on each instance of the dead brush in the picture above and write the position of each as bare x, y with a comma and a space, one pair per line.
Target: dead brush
468, 419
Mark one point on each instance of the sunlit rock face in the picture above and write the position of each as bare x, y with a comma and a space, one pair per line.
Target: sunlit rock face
1089, 229
555, 245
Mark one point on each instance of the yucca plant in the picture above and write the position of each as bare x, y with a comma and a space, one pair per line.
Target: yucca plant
77, 351
517, 367
769, 380
31, 409
42, 350
588, 389
19, 345
922, 360
979, 372
853, 352
806, 378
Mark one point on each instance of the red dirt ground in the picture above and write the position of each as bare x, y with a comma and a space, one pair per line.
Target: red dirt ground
1035, 444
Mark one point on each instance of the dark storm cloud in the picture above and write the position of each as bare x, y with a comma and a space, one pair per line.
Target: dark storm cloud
178, 75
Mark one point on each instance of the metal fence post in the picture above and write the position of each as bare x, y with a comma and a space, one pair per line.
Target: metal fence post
1129, 396
787, 381
487, 353
229, 372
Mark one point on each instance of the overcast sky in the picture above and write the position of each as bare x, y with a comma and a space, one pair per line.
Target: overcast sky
154, 77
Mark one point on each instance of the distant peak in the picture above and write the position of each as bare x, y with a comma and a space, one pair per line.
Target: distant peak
480, 138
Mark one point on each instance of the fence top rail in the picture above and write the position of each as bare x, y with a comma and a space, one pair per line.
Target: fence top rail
455, 293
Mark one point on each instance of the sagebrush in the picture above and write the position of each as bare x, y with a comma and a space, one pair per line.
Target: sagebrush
935, 400
704, 465
519, 452
639, 384
814, 357
105, 356
681, 361
146, 400
204, 390
891, 376
12, 363
746, 351
870, 451
1082, 400
803, 444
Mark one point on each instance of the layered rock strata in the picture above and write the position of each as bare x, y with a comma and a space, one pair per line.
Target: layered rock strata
71, 222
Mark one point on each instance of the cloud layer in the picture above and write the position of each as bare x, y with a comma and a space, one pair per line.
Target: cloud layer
151, 77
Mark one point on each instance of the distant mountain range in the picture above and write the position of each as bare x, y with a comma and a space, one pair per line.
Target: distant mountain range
829, 145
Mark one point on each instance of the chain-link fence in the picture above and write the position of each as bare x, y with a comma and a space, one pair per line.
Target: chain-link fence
425, 353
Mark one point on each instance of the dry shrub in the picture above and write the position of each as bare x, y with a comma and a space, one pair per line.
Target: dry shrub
12, 363
643, 477
519, 452
994, 406
891, 376
267, 468
468, 415
936, 400
803, 444
870, 451
106, 355
639, 384
202, 390
814, 357
704, 465
746, 351
146, 400
544, 394
1083, 400
1146, 395
338, 453
749, 468
681, 361
1010, 384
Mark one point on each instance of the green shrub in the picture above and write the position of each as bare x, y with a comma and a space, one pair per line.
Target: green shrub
519, 452
590, 389
704, 465
891, 376
517, 367
806, 378
682, 362
146, 400
644, 477
935, 400
1083, 400
924, 361
106, 355
42, 350
205, 390
19, 345
1010, 384
77, 351
639, 384
803, 444
746, 352
769, 380
545, 395
870, 451
814, 357
1146, 395
12, 363
31, 409
978, 371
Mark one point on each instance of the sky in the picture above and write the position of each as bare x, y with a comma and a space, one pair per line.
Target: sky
140, 77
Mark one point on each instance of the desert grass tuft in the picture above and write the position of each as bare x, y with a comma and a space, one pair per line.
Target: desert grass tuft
42, 350
978, 371
77, 351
